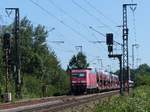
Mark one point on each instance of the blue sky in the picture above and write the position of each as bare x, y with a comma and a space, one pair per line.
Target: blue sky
72, 20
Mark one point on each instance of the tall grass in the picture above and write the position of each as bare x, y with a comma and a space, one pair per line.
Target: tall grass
139, 101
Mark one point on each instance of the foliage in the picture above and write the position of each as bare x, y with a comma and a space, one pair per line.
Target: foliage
138, 102
141, 75
78, 61
143, 68
30, 85
142, 79
39, 65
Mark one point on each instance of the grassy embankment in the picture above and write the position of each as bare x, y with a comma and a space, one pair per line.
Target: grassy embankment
138, 101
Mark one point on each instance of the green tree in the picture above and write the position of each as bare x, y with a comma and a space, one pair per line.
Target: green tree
143, 69
39, 65
142, 75
78, 61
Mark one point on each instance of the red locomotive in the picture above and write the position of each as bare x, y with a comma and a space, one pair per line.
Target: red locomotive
88, 81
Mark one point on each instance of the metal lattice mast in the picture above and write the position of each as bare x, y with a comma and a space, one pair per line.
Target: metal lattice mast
125, 47
125, 44
17, 52
17, 42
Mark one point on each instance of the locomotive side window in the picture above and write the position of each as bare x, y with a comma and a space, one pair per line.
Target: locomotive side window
78, 75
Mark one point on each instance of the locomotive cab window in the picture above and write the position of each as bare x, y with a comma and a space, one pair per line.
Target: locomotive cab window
78, 75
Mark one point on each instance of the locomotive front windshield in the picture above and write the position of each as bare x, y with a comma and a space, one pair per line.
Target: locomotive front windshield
78, 75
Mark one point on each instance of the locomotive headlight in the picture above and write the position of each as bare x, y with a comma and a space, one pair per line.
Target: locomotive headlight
83, 81
74, 81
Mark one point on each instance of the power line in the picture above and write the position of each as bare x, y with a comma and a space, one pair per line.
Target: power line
62, 50
95, 37
100, 12
52, 15
103, 35
75, 20
70, 27
98, 39
58, 18
69, 51
92, 15
59, 34
65, 13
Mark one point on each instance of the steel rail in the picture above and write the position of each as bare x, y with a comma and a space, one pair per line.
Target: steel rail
62, 103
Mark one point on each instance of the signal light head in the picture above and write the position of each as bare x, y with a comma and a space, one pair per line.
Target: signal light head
6, 41
109, 39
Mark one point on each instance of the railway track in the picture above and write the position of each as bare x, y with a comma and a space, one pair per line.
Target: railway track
58, 103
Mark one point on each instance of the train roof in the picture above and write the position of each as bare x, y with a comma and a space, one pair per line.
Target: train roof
114, 75
82, 69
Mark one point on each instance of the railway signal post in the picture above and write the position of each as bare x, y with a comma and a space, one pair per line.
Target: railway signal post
119, 56
17, 65
109, 42
7, 65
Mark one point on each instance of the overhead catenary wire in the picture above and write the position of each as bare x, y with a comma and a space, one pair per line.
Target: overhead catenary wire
98, 33
67, 51
60, 21
62, 50
68, 15
100, 12
92, 15
60, 35
103, 35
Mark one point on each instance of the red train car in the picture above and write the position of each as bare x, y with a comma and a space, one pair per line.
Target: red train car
87, 80
82, 80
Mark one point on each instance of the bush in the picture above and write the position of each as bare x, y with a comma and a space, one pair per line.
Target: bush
31, 87
142, 79
138, 102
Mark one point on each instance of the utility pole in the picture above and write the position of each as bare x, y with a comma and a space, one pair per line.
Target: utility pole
17, 65
125, 48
